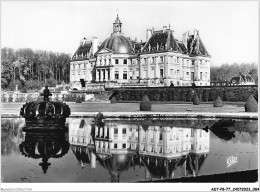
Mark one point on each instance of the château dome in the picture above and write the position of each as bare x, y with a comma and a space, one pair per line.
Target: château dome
117, 42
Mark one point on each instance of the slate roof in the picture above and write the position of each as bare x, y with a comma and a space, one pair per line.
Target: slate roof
83, 51
161, 41
138, 46
196, 47
182, 47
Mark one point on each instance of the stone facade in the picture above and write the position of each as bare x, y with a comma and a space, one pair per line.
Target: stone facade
160, 61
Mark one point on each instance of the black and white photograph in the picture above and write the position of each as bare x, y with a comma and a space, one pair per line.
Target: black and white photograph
129, 95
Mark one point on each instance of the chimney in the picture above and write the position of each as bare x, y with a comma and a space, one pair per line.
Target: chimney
82, 42
185, 39
173, 33
94, 45
148, 34
164, 28
195, 33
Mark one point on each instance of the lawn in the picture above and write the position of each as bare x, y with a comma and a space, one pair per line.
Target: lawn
132, 107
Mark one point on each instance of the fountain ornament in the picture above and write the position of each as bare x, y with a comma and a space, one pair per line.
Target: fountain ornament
46, 114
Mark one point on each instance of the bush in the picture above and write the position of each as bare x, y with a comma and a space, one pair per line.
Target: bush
78, 99
10, 98
196, 100
145, 104
218, 102
234, 94
113, 100
251, 104
205, 95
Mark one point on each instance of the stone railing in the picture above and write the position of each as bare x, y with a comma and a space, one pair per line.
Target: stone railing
18, 97
13, 97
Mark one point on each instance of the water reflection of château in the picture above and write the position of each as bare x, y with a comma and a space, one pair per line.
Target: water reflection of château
161, 149
45, 145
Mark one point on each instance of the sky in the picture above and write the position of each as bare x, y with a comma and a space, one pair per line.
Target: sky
228, 29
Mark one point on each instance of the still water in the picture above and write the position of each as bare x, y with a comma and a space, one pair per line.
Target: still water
128, 151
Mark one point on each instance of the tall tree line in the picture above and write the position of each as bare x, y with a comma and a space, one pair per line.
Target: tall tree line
32, 69
225, 72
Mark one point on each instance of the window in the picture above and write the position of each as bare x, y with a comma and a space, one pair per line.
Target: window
115, 145
187, 73
153, 60
161, 73
125, 75
171, 71
162, 59
144, 60
160, 137
125, 61
192, 76
200, 75
124, 145
84, 65
115, 131
116, 74
116, 61
192, 133
124, 131
74, 66
193, 62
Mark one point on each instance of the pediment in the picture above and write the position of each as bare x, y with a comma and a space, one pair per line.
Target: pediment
104, 50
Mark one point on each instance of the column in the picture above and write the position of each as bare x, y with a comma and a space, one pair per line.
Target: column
140, 68
181, 73
105, 131
106, 74
106, 147
101, 75
165, 67
157, 70
148, 67
97, 75
112, 74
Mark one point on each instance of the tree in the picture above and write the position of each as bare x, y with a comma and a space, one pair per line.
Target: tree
225, 72
26, 66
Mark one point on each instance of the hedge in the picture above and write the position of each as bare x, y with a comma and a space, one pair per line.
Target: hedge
205, 94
